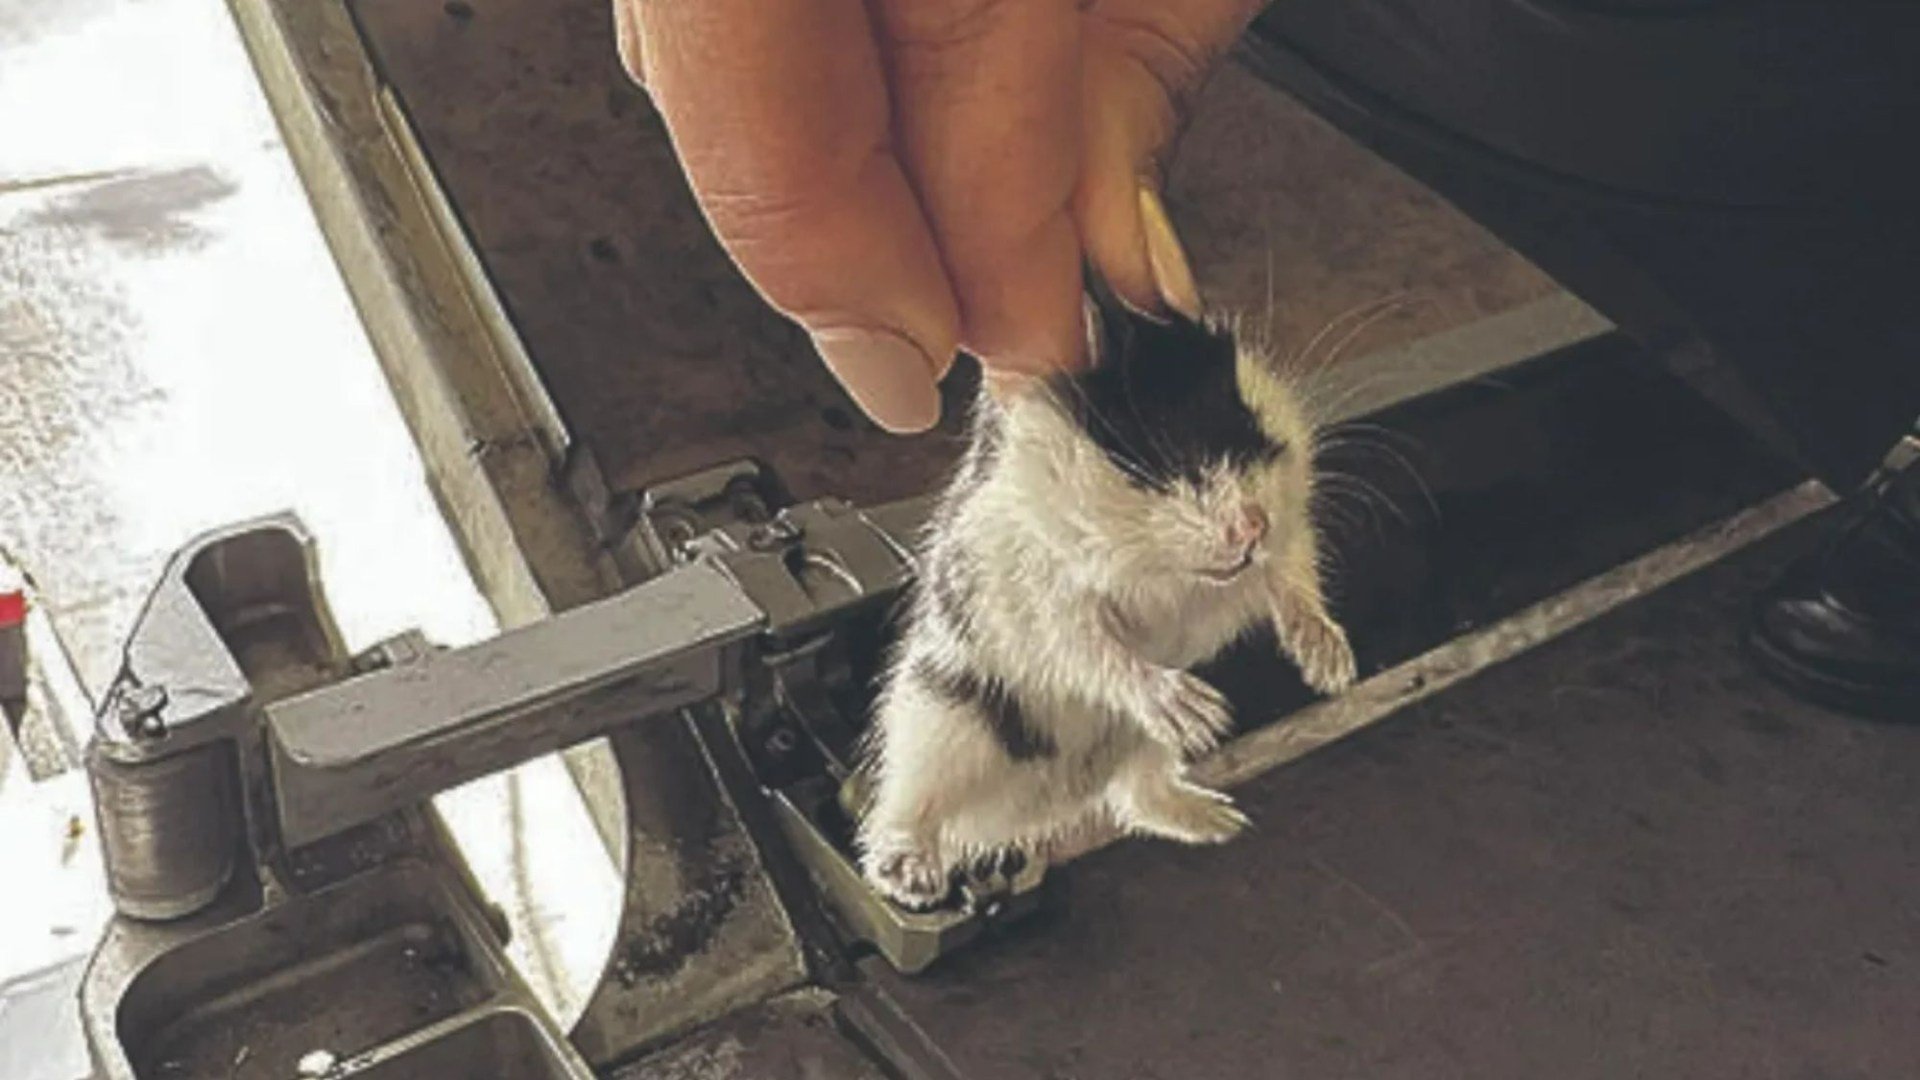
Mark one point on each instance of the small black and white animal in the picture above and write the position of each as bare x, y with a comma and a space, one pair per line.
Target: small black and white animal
1104, 531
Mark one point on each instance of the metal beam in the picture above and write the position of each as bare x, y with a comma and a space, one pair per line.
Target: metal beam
348, 753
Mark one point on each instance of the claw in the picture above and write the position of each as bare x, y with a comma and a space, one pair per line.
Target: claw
912, 879
1190, 814
1006, 863
1185, 714
1325, 657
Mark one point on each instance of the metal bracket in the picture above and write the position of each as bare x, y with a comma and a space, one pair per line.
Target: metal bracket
827, 576
831, 576
251, 777
671, 517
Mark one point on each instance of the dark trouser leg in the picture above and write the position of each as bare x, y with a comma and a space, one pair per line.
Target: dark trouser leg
1790, 255
1742, 181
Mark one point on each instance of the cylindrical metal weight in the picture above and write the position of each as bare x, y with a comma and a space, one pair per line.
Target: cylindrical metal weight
169, 829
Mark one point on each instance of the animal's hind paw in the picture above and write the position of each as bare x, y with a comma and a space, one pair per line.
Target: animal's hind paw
911, 878
1001, 865
1190, 814
1219, 822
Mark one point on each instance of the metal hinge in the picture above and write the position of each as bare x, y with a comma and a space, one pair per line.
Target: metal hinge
830, 577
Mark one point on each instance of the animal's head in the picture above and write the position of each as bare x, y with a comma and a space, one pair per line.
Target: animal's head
1179, 457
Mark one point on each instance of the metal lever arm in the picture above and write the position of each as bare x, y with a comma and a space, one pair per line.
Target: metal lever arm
346, 754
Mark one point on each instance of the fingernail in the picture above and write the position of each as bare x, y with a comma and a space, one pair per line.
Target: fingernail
1171, 271
942, 367
889, 377
628, 43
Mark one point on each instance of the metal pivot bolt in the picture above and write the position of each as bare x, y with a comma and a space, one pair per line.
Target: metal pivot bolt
676, 532
142, 710
775, 534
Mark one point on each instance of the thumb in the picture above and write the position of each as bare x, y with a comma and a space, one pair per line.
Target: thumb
1144, 58
779, 113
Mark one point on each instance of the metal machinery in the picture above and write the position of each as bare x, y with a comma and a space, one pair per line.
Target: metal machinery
281, 884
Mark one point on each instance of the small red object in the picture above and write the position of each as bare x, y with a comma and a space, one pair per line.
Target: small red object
13, 609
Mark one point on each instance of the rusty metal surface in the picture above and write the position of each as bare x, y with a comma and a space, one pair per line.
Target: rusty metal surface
663, 361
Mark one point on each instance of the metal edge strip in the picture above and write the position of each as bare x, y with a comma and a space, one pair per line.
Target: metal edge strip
486, 447
1393, 376
1306, 730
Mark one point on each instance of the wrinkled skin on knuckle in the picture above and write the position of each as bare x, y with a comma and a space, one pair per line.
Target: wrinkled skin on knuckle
1157, 47
944, 23
1150, 57
778, 221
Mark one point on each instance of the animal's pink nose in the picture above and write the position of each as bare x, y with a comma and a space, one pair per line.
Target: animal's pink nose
1247, 527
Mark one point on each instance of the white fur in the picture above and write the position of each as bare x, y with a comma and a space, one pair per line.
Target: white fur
1091, 600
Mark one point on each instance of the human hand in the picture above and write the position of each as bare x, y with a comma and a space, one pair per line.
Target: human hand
905, 178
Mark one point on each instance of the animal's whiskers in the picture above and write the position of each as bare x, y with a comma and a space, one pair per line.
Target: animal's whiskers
1374, 439
1041, 695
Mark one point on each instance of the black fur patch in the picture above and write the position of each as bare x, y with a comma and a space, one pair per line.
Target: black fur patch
1162, 398
996, 704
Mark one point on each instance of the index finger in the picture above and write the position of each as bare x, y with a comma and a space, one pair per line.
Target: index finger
989, 111
779, 112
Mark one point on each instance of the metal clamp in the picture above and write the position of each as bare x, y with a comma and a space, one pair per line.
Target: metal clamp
831, 576
246, 766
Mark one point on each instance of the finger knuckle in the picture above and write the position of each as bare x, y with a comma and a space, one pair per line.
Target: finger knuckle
780, 189
945, 23
1164, 52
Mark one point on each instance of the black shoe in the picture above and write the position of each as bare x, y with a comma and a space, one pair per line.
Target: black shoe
1841, 627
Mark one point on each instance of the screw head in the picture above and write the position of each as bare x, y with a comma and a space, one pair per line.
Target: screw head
782, 741
375, 659
676, 532
141, 708
746, 502
774, 534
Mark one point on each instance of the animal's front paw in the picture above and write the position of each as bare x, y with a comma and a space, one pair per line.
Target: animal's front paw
1185, 714
1321, 649
910, 877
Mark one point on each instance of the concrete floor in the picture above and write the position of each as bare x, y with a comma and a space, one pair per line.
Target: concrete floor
177, 353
